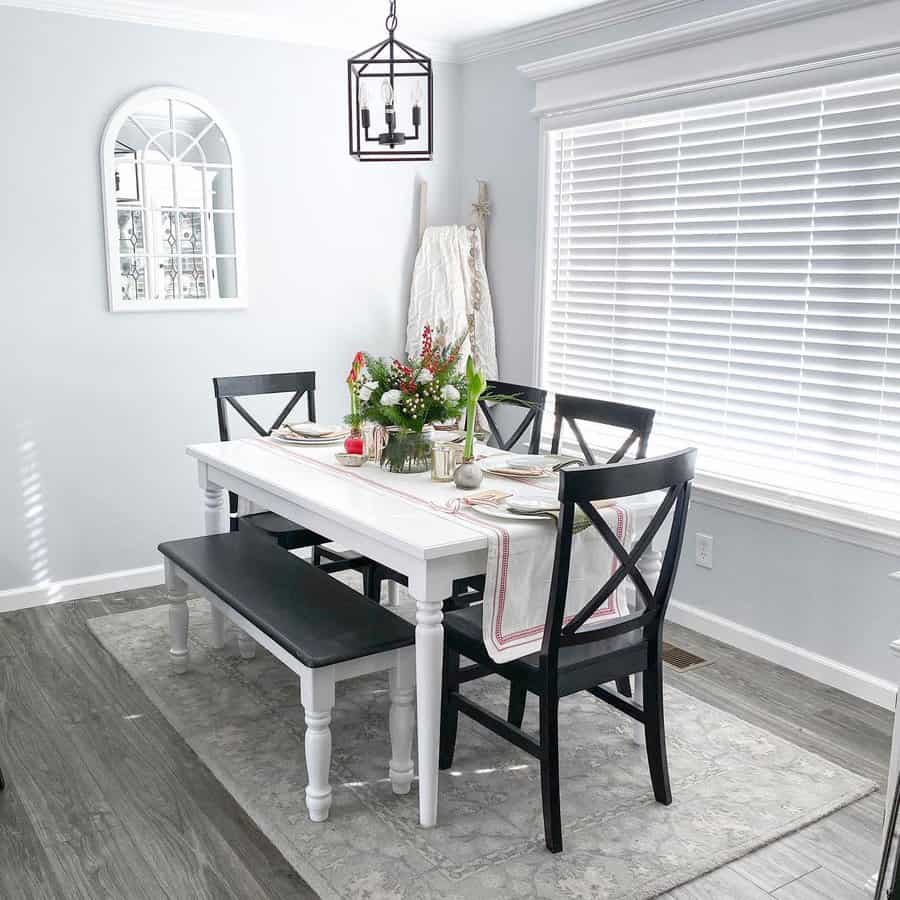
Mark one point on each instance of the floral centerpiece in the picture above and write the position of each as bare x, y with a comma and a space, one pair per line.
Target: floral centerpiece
405, 397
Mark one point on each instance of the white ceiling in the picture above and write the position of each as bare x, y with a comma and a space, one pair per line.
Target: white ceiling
349, 24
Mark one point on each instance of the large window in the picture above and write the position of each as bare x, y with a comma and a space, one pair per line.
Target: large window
735, 267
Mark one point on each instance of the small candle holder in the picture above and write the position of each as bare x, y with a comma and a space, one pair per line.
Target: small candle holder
443, 461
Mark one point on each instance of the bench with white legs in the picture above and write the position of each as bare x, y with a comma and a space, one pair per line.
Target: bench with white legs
318, 627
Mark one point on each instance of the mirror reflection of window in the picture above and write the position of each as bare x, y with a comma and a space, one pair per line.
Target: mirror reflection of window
170, 181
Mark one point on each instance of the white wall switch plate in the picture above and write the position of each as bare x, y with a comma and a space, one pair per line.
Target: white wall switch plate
704, 550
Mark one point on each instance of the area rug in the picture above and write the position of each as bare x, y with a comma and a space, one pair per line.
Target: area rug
736, 787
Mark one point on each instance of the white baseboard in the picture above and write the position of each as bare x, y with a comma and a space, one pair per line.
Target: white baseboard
821, 668
76, 588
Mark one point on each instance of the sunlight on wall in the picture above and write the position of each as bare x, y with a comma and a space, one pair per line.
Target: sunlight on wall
34, 516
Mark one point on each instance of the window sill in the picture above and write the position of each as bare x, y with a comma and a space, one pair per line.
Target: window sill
852, 526
828, 519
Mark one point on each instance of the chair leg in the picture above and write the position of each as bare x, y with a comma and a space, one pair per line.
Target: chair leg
449, 708
623, 686
550, 773
317, 697
217, 627
655, 734
372, 583
517, 697
246, 645
402, 681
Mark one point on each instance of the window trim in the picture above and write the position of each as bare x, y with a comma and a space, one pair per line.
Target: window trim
817, 516
110, 227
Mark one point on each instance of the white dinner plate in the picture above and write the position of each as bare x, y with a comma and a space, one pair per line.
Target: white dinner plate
492, 464
302, 441
501, 512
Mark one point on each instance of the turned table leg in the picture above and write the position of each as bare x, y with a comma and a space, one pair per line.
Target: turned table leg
402, 680
214, 523
429, 589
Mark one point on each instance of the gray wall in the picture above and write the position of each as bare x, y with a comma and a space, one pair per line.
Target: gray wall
95, 409
823, 595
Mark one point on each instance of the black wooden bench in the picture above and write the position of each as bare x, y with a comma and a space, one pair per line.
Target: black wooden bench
320, 628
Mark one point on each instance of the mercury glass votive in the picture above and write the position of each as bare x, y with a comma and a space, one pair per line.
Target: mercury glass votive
443, 462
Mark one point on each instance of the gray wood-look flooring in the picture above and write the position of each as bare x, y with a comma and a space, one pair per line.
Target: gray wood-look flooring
104, 799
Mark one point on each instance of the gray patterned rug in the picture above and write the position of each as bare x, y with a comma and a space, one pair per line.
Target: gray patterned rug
736, 787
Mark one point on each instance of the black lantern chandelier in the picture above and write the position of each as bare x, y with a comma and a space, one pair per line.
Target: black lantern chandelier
401, 79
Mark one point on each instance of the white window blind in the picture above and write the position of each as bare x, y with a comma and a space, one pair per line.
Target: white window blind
735, 267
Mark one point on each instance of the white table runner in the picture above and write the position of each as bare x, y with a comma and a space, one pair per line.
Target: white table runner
520, 552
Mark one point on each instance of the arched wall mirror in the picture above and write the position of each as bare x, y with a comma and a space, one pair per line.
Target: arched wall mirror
170, 171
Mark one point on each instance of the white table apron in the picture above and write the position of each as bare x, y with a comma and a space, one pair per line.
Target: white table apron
431, 549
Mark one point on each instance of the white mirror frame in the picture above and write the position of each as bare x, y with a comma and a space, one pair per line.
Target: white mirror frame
110, 216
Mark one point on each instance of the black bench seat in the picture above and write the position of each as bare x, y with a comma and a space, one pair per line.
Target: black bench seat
315, 618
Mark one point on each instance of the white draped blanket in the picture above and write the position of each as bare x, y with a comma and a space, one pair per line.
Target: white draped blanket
443, 290
519, 552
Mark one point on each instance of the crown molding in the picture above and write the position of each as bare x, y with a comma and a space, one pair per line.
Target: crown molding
691, 34
580, 21
348, 39
866, 57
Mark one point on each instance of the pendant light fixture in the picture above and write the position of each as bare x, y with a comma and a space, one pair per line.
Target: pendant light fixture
389, 97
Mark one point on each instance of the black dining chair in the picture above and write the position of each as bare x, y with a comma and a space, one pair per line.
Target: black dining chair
512, 421
637, 420
229, 392
569, 409
571, 659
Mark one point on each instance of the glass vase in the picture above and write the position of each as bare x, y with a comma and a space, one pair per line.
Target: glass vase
406, 452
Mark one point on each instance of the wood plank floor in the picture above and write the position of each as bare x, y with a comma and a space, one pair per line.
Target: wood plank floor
106, 800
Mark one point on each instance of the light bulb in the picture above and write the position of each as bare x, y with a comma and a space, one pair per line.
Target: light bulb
417, 94
387, 93
363, 95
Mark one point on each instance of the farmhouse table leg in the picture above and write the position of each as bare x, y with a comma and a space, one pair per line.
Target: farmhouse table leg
429, 589
402, 680
214, 523
178, 619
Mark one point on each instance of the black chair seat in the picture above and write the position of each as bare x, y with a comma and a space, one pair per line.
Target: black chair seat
580, 666
317, 619
286, 532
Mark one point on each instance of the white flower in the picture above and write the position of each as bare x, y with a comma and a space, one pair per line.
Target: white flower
449, 393
371, 385
391, 398
425, 377
365, 392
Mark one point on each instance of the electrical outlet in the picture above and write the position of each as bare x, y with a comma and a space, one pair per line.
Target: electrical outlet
704, 550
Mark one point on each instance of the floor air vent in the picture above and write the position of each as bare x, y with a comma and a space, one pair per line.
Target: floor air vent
682, 659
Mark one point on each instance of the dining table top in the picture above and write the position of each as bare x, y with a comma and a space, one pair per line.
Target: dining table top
309, 476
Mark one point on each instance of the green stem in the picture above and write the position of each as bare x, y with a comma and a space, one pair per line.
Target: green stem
469, 448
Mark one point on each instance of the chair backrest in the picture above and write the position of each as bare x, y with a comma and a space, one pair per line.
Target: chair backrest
580, 488
637, 419
228, 390
530, 400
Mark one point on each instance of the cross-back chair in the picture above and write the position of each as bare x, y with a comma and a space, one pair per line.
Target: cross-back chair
229, 392
572, 659
531, 401
638, 420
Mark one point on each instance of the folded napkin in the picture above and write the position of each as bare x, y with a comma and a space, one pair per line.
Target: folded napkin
551, 510
310, 429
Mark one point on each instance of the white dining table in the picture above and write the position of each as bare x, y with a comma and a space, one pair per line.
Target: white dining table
431, 549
